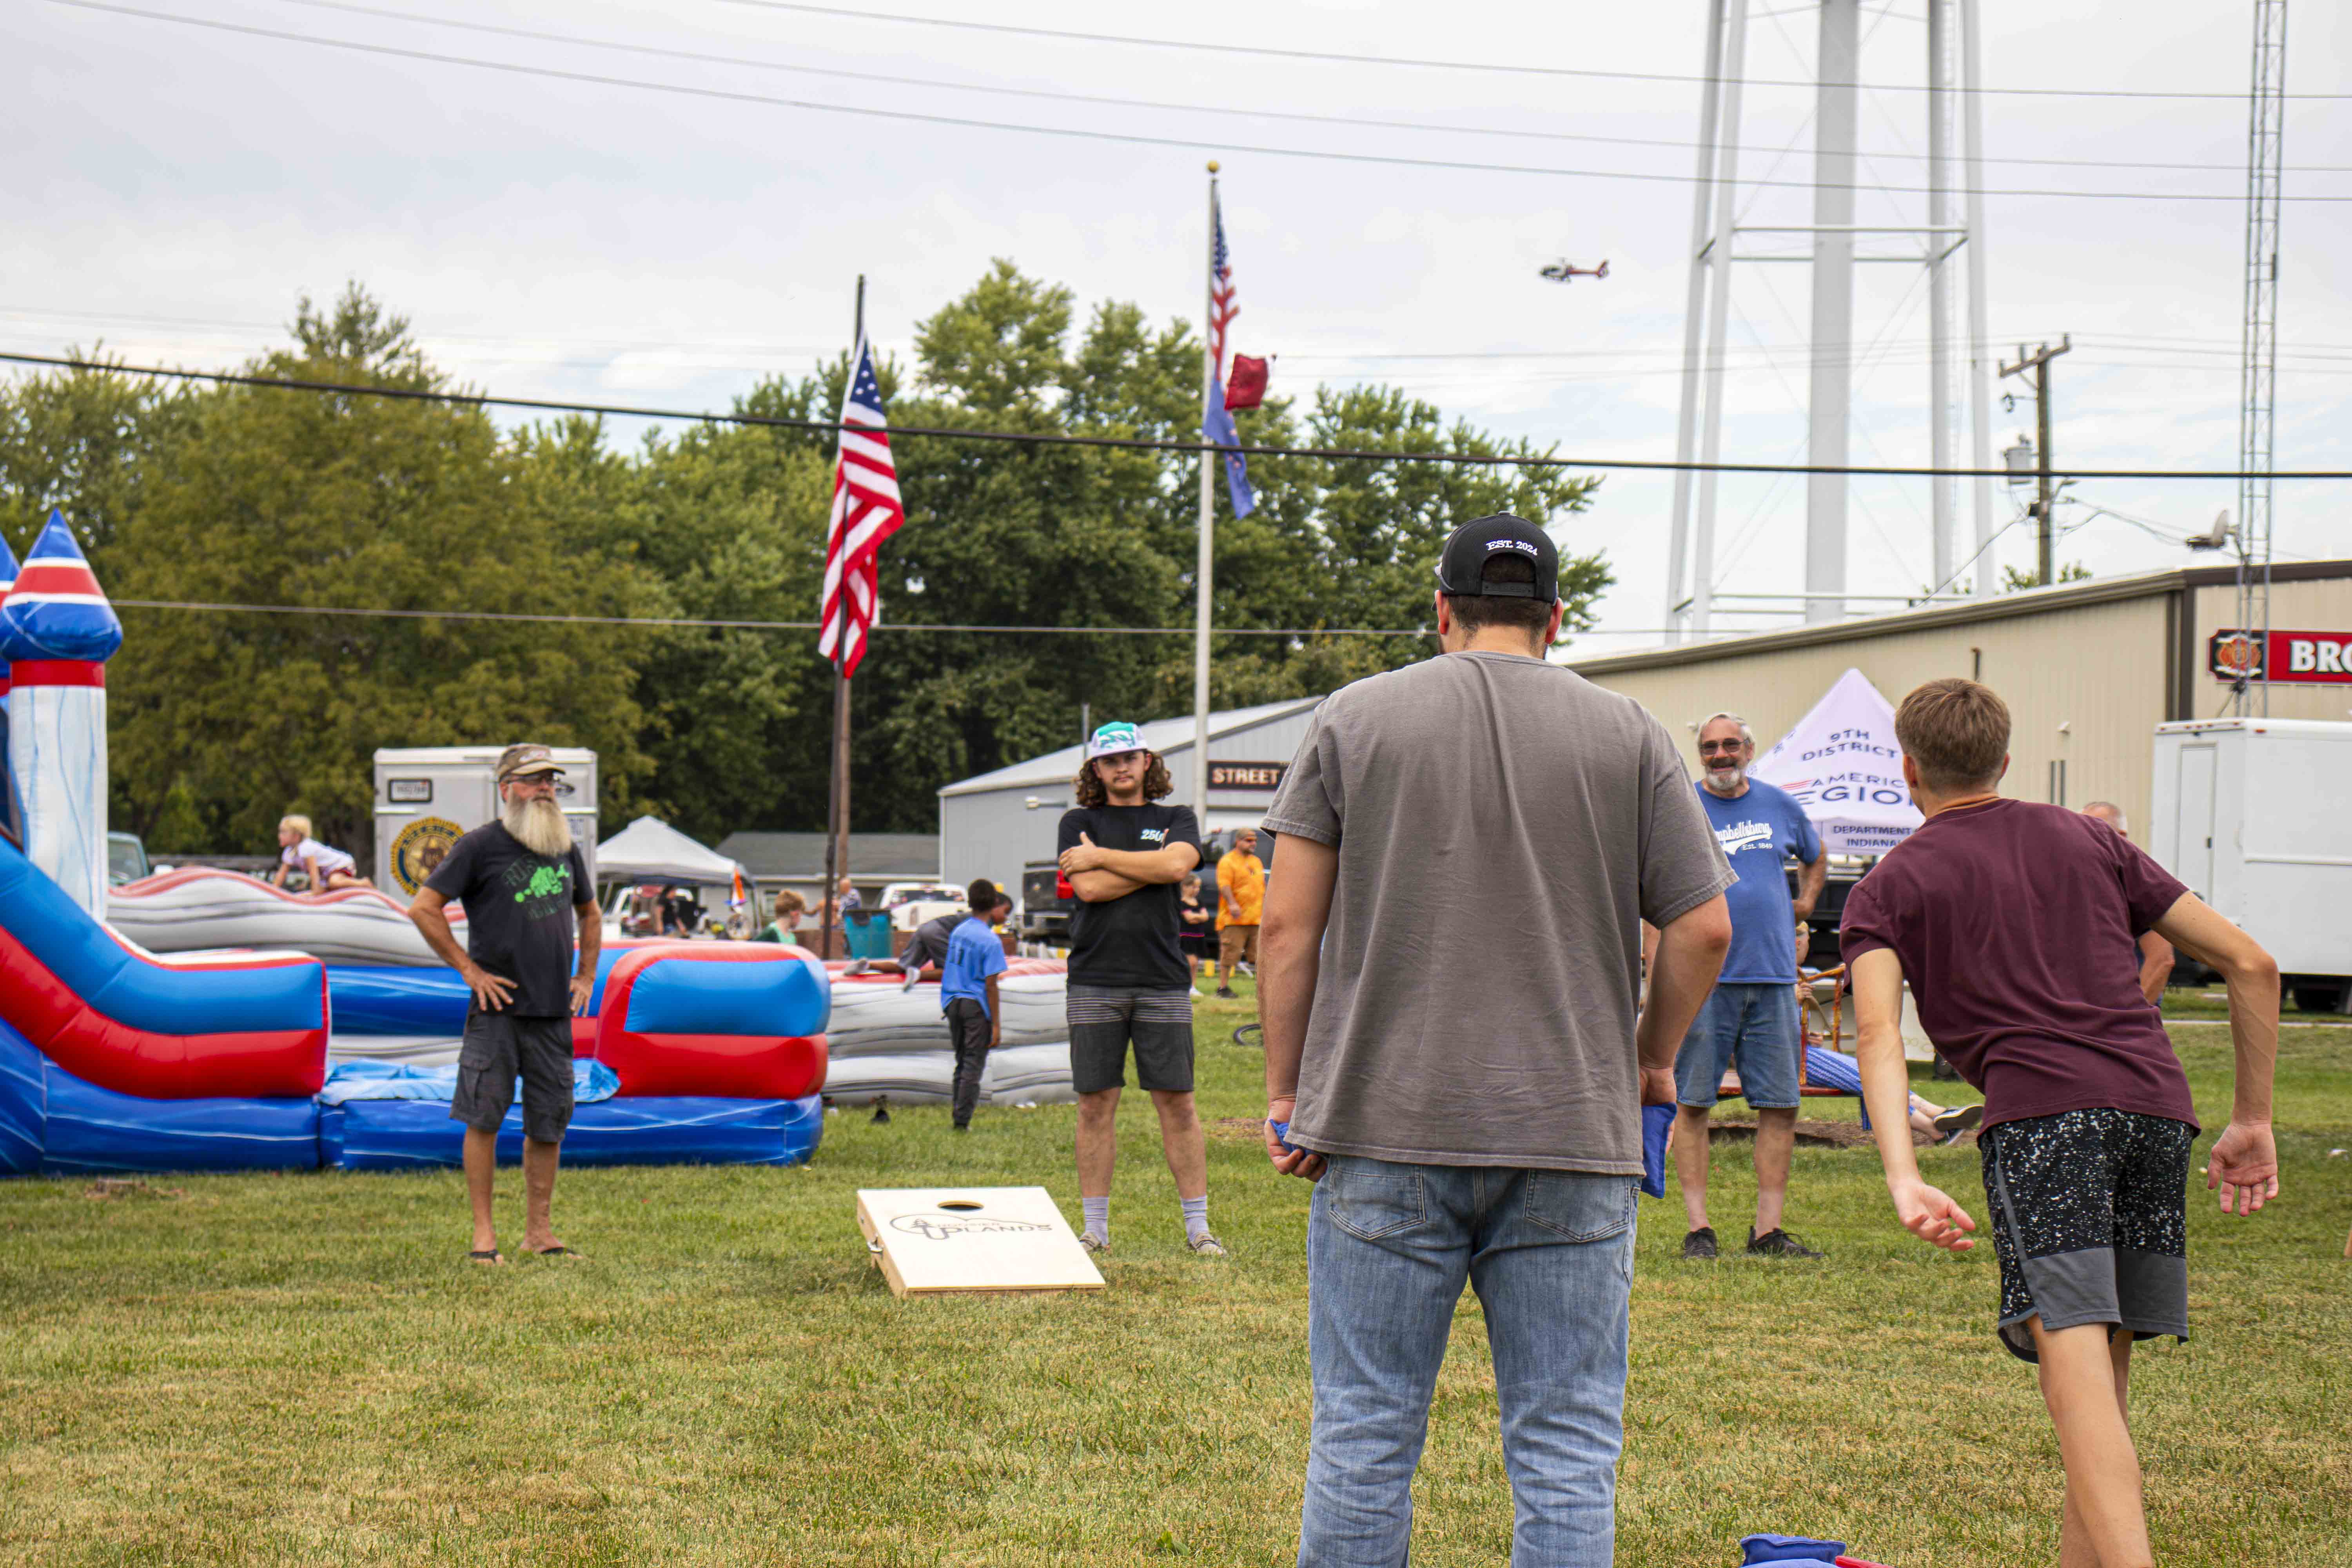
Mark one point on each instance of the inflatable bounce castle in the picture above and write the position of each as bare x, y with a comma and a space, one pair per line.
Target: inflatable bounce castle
115, 1058
206, 1020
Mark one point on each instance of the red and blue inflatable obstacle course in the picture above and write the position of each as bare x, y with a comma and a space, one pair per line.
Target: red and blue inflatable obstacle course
719, 1053
113, 1060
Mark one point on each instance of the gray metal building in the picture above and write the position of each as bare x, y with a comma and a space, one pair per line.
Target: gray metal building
994, 823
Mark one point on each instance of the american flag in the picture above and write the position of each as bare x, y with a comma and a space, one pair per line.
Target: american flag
867, 510
1216, 423
1221, 309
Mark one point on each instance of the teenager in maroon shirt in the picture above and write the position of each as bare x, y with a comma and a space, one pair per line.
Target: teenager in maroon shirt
2017, 926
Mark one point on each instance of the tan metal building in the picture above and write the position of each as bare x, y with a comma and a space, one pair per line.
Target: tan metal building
2088, 669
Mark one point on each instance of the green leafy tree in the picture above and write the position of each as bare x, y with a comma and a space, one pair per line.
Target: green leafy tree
87, 442
2016, 579
286, 498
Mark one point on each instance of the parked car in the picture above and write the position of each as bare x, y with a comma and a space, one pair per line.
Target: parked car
126, 859
909, 904
1045, 909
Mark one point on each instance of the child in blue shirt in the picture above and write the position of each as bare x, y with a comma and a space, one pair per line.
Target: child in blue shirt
975, 958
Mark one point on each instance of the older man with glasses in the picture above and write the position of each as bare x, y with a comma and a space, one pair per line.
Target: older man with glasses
1751, 1019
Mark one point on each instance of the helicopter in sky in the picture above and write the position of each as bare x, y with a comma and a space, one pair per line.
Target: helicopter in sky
1562, 272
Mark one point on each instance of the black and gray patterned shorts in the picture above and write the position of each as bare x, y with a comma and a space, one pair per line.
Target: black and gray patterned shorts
1103, 1019
2090, 1220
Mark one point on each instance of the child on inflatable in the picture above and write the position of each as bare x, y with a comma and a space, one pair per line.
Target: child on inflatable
297, 851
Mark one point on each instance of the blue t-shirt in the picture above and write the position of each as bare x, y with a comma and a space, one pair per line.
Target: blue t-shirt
974, 953
1759, 831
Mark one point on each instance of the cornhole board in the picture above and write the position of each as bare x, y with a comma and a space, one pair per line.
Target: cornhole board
932, 1241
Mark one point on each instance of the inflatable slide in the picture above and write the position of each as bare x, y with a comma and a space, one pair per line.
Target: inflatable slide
115, 1059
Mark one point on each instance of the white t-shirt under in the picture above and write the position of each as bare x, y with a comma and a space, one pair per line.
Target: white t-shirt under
329, 861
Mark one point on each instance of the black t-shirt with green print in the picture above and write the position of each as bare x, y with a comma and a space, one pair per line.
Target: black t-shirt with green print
519, 918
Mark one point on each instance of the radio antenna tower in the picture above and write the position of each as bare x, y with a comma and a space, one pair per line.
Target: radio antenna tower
1955, 156
2258, 367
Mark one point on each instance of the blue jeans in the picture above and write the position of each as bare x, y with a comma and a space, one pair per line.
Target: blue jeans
1550, 1254
1755, 1026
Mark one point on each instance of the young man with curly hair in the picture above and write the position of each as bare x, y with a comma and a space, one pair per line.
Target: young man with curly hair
1124, 854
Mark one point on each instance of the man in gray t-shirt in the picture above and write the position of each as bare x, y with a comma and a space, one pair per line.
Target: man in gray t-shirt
1449, 963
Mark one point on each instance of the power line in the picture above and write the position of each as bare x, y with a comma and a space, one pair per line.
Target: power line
2223, 347
1079, 133
1125, 443
1264, 52
702, 57
669, 621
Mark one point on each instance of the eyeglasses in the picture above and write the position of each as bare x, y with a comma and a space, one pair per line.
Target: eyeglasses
1708, 748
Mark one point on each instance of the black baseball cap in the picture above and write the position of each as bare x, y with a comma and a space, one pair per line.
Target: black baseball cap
1462, 564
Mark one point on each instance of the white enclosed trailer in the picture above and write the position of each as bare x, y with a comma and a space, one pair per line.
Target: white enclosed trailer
2256, 815
426, 797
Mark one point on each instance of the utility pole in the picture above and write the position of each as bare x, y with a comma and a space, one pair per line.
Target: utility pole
2037, 366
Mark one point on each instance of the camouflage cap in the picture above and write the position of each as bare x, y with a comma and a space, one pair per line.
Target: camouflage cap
524, 759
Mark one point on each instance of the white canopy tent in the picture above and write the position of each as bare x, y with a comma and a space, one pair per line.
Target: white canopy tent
1841, 763
651, 850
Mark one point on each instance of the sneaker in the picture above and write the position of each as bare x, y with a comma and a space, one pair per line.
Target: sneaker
1225, 992
1196, 990
1699, 1245
908, 983
1777, 1244
856, 967
1092, 1242
1958, 1119
1205, 1246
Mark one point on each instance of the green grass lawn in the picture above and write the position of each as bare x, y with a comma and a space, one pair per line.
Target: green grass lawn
304, 1369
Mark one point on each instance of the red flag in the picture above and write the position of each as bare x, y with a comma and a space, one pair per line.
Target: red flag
1247, 387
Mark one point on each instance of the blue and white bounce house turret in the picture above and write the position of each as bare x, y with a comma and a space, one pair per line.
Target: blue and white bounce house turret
57, 632
7, 778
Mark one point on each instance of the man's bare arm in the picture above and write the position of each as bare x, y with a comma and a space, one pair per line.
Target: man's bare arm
1290, 955
1129, 868
1101, 887
493, 991
1926, 1213
1688, 956
1810, 883
2245, 1161
2155, 966
591, 943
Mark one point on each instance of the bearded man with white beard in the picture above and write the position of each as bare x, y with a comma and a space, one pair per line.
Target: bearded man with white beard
524, 886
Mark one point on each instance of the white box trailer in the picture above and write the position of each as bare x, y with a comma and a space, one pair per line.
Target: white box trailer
426, 797
2256, 815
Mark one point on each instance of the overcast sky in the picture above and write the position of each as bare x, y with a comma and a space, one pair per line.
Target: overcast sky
174, 188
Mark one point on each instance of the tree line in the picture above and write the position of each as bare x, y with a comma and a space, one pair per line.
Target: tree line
222, 722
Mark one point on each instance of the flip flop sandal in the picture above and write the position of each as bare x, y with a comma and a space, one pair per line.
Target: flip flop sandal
492, 1256
557, 1252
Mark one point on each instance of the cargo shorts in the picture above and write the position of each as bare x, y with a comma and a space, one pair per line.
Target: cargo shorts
497, 1048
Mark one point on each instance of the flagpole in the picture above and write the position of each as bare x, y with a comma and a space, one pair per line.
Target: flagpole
836, 811
1205, 567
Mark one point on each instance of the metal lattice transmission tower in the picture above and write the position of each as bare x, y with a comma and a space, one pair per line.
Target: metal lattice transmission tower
1946, 239
2258, 367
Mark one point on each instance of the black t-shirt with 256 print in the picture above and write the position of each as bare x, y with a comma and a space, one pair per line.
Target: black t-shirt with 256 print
1131, 941
519, 913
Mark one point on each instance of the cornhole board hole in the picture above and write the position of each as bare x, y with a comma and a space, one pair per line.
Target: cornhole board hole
932, 1241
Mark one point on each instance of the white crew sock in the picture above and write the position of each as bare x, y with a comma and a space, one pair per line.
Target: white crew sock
1098, 1211
1196, 1216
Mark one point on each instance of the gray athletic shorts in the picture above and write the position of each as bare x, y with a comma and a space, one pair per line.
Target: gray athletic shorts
498, 1048
1104, 1018
2090, 1221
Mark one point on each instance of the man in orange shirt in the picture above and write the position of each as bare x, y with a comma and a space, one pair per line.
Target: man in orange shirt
1240, 899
